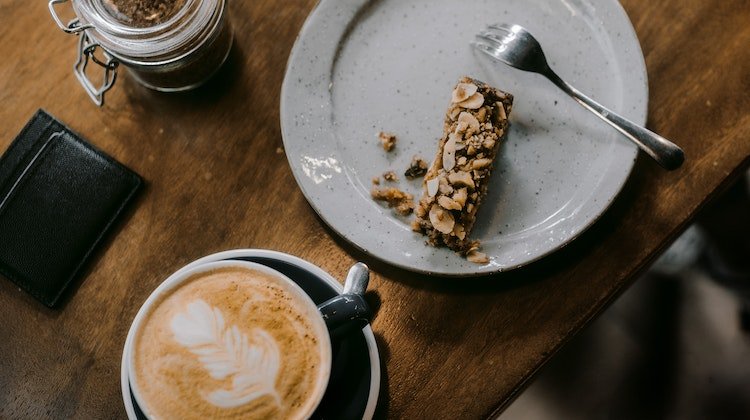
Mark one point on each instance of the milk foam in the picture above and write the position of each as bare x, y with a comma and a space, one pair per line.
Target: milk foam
226, 351
231, 343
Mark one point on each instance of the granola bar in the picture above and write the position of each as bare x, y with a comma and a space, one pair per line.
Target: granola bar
457, 181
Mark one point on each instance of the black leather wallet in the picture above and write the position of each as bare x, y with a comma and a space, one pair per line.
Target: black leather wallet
59, 196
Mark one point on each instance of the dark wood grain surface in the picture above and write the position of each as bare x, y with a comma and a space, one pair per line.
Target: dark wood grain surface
451, 349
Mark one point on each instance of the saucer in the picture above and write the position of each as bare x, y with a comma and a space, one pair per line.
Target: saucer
355, 374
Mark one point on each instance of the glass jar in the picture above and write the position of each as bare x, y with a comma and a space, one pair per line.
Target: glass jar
167, 45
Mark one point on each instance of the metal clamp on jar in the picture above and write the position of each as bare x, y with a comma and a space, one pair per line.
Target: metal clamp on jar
167, 45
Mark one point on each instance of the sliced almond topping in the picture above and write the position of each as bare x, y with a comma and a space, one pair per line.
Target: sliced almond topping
432, 186
453, 112
460, 196
469, 121
448, 204
461, 160
501, 111
441, 220
445, 189
481, 163
449, 152
482, 114
463, 91
475, 101
459, 231
488, 144
460, 145
461, 179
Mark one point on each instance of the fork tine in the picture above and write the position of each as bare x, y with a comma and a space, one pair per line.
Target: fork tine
501, 27
487, 47
490, 39
493, 36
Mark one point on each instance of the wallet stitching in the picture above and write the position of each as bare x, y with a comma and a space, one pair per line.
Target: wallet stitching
28, 170
22, 280
44, 118
16, 277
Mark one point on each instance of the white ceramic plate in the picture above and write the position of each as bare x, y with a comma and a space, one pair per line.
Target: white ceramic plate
361, 66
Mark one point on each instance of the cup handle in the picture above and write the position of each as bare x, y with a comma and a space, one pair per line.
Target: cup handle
348, 311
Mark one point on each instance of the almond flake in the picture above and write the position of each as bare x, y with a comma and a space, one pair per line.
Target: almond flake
449, 152
463, 91
460, 196
469, 121
501, 111
481, 163
460, 179
448, 203
432, 186
445, 189
459, 231
475, 101
441, 220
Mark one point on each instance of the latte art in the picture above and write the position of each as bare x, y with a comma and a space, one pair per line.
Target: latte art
231, 342
225, 351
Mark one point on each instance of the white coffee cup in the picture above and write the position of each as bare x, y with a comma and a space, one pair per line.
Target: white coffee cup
344, 310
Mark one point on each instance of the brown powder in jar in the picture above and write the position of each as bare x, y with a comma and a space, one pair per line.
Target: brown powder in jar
143, 13
192, 70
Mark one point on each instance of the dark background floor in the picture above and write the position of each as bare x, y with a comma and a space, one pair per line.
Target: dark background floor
672, 347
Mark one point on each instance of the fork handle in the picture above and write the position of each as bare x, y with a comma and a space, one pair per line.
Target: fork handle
666, 153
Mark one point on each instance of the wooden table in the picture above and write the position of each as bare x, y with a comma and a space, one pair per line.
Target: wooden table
215, 181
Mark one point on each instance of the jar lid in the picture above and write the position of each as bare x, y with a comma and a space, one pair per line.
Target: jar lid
150, 32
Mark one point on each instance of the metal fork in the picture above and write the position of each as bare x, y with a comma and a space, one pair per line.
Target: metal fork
516, 47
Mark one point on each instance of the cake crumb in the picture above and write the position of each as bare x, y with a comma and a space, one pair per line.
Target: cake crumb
399, 200
477, 257
387, 140
376, 180
279, 150
390, 176
417, 168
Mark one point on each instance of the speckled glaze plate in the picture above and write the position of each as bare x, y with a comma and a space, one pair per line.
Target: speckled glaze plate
360, 67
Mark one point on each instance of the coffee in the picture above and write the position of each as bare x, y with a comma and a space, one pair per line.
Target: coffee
232, 342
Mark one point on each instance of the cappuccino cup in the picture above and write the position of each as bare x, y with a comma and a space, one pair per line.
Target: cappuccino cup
235, 339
